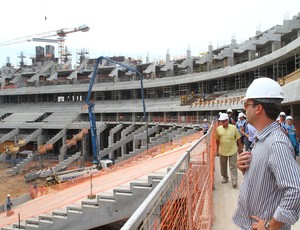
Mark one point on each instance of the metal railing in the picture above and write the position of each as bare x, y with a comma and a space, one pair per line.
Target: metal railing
183, 199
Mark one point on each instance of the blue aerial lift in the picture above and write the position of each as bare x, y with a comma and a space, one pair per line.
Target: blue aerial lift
91, 105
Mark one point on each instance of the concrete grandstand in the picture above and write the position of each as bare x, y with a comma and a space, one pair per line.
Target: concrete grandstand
42, 104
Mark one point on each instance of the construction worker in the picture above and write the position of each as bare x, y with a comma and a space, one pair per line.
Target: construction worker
228, 140
9, 204
292, 133
241, 125
270, 193
281, 121
231, 120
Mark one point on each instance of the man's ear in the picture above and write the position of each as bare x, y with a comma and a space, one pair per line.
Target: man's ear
259, 109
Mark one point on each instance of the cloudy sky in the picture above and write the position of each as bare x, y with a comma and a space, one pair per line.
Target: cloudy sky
138, 28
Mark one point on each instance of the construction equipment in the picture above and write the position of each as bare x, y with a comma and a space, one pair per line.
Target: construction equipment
74, 174
11, 149
90, 105
42, 37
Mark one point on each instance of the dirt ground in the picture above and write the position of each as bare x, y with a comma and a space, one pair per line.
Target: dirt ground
13, 185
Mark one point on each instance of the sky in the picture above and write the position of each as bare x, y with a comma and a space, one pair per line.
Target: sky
138, 28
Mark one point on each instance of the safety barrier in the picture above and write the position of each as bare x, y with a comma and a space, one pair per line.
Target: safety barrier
184, 198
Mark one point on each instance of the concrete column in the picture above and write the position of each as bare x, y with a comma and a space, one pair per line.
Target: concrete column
63, 148
116, 77
189, 59
100, 140
251, 55
83, 151
135, 144
144, 142
209, 57
39, 140
276, 45
112, 133
123, 150
110, 139
84, 146
64, 139
168, 57
229, 61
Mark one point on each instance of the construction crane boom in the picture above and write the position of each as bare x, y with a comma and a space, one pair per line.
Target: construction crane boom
42, 37
90, 105
60, 33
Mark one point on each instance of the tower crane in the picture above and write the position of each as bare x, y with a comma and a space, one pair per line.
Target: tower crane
43, 37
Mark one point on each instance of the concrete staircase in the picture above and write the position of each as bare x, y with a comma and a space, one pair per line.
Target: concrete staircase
57, 136
41, 71
33, 135
47, 172
168, 135
107, 207
61, 165
121, 142
9, 135
15, 170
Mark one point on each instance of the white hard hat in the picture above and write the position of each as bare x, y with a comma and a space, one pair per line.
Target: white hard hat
282, 114
241, 114
223, 117
8, 194
205, 120
264, 88
289, 118
229, 111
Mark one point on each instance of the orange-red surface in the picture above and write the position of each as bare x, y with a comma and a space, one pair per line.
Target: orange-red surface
60, 199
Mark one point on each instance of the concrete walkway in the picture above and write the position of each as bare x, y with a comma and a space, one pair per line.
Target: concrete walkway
225, 201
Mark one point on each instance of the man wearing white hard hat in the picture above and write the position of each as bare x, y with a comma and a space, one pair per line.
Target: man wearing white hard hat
228, 144
8, 204
292, 133
205, 126
270, 193
281, 121
231, 120
242, 127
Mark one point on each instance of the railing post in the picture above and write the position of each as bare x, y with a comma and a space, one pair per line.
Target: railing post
189, 193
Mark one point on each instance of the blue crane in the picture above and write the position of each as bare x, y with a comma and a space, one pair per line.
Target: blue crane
91, 105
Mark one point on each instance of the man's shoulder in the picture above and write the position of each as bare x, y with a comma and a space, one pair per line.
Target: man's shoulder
231, 126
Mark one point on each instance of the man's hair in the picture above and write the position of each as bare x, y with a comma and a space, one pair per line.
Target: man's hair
272, 109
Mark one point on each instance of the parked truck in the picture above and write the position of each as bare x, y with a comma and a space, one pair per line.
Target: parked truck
74, 174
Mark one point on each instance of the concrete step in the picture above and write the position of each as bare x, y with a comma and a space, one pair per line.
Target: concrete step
60, 213
25, 225
75, 208
46, 217
33, 221
9, 227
